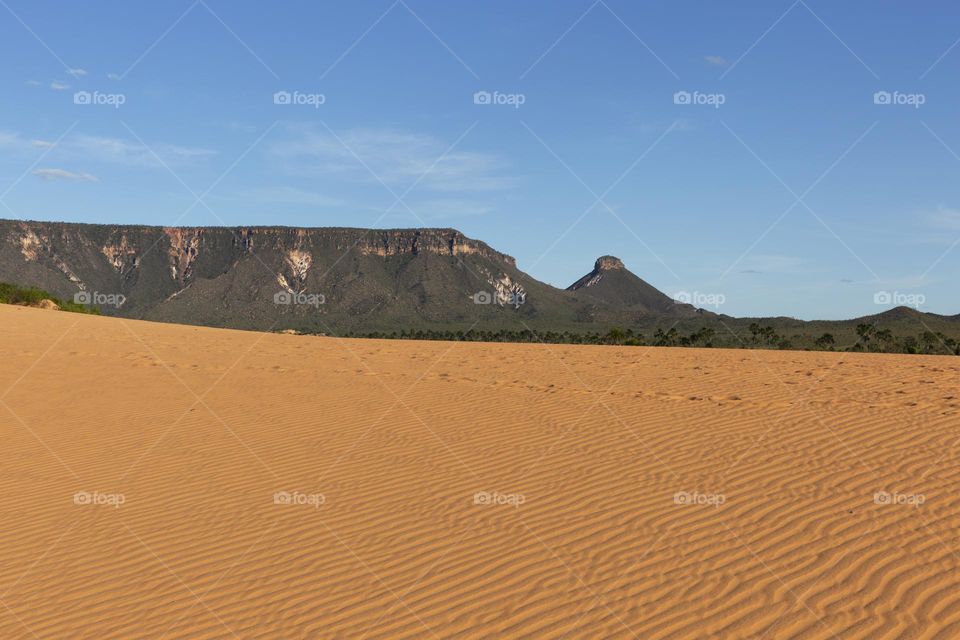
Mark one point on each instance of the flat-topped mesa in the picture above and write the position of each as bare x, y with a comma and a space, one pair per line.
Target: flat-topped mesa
187, 253
415, 241
608, 263
122, 245
370, 279
380, 242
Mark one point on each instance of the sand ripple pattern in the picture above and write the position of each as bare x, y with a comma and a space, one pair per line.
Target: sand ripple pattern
453, 490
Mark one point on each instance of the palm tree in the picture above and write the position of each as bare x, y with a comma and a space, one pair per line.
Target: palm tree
615, 336
864, 332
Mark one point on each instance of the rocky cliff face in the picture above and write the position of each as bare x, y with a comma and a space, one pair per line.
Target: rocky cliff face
437, 241
608, 263
315, 279
36, 246
187, 272
124, 247
602, 265
182, 251
121, 255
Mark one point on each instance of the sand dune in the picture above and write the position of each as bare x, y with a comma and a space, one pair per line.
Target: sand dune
162, 481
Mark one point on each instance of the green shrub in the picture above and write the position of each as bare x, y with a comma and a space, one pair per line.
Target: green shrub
31, 297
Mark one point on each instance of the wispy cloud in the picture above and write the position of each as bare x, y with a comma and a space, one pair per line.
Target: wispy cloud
9, 139
87, 148
395, 157
945, 218
77, 73
13, 142
51, 175
113, 76
719, 61
117, 150
59, 86
34, 83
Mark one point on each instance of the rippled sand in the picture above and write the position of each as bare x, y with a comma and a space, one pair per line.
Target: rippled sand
163, 481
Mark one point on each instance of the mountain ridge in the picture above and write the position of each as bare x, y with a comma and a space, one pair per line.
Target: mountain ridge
369, 279
360, 280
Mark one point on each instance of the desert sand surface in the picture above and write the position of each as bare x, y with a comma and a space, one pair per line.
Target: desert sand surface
462, 490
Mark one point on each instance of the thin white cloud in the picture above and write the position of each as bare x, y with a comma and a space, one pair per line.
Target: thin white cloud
77, 73
10, 139
395, 157
113, 76
945, 218
51, 175
86, 148
34, 83
127, 152
719, 61
59, 86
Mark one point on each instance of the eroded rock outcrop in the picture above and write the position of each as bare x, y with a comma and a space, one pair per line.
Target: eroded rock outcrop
183, 252
296, 265
121, 255
30, 244
600, 267
508, 292
446, 242
35, 246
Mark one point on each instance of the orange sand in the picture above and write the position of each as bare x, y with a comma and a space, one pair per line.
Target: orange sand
818, 492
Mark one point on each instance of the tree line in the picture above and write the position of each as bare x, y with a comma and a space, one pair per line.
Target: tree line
868, 339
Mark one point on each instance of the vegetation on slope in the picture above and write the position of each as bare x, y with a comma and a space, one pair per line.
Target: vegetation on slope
33, 297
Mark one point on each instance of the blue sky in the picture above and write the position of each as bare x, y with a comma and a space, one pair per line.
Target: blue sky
796, 195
